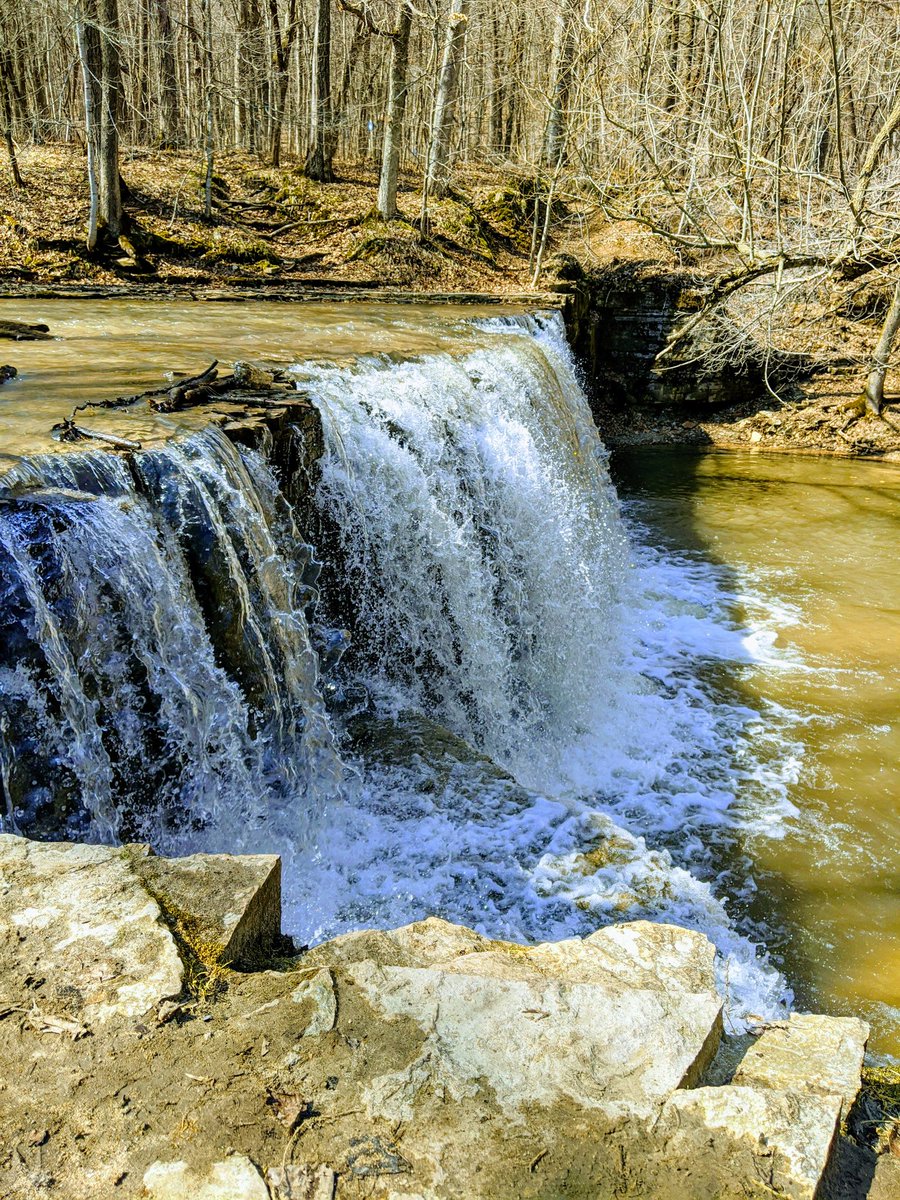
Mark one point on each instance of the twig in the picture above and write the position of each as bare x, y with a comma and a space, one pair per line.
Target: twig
70, 432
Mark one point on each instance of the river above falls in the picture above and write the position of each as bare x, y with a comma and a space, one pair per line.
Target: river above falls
100, 349
547, 718
805, 551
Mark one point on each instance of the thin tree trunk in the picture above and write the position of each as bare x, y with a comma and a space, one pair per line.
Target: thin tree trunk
109, 188
18, 181
437, 178
282, 59
882, 356
396, 109
872, 159
169, 120
554, 141
88, 54
208, 96
318, 159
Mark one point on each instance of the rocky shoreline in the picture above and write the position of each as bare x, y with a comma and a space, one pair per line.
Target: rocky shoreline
163, 1039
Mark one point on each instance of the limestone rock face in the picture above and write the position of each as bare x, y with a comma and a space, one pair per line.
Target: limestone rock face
808, 1053
738, 1135
233, 903
614, 1022
86, 931
77, 919
236, 1178
422, 1063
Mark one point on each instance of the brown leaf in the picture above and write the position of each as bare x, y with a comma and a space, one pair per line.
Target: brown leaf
289, 1108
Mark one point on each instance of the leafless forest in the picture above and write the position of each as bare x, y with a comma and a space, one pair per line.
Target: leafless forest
762, 131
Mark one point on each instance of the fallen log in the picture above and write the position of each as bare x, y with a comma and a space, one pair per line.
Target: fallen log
206, 376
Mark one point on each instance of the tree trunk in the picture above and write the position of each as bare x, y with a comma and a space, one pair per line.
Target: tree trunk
318, 158
250, 74
882, 356
169, 120
437, 178
208, 140
6, 114
396, 108
555, 139
89, 58
109, 198
281, 60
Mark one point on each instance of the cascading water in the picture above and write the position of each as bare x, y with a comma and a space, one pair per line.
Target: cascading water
505, 696
157, 676
484, 567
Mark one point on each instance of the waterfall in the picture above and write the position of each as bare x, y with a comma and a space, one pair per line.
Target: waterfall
157, 675
500, 744
477, 552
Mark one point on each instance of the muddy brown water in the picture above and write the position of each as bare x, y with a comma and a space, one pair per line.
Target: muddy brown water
107, 348
808, 547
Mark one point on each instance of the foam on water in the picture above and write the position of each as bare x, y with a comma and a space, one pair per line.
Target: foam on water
495, 590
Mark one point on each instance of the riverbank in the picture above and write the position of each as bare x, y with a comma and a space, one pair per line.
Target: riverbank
163, 1039
276, 235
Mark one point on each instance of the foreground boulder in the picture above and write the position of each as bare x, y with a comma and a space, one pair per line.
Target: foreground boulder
422, 1063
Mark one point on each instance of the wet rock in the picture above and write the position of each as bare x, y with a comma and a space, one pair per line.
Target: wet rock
19, 331
7, 373
808, 1053
236, 1178
78, 918
233, 904
252, 375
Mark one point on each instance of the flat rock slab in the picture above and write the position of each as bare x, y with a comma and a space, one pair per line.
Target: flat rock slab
614, 1022
232, 904
301, 1182
746, 1141
808, 1053
79, 934
86, 932
236, 1178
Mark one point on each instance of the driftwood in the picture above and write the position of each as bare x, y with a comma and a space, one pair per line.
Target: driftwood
254, 391
182, 394
68, 431
183, 385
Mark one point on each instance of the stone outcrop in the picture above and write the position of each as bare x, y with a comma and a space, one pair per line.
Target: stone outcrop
422, 1063
621, 316
81, 934
87, 931
231, 905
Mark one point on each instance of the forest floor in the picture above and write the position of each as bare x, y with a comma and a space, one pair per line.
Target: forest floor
276, 233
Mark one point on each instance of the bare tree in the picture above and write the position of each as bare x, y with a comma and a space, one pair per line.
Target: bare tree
396, 107
437, 174
318, 159
882, 356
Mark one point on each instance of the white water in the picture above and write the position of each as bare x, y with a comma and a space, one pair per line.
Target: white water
494, 593
497, 594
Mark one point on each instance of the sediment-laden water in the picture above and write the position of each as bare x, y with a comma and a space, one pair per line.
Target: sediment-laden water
501, 701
